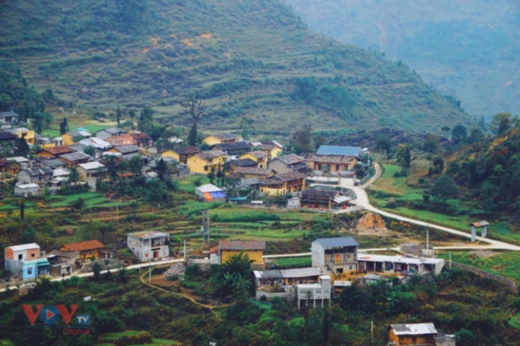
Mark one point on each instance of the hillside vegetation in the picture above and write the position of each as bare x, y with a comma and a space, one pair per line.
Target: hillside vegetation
466, 49
252, 59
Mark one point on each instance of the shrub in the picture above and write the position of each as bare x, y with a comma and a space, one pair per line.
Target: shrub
391, 204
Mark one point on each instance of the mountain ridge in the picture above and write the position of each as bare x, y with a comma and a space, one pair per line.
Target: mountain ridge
243, 59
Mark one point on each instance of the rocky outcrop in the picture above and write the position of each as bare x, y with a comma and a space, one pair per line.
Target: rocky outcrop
371, 223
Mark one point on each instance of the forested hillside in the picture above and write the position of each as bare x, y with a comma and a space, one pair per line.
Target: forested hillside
466, 49
252, 59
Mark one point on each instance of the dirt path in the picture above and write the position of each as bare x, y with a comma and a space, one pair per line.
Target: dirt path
210, 307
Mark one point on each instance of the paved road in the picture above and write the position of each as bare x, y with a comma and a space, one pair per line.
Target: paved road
363, 201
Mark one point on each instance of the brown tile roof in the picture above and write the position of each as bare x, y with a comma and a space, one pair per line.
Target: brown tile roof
210, 154
62, 149
252, 170
84, 245
258, 154
267, 147
140, 136
280, 178
311, 157
120, 140
291, 159
186, 150
224, 136
240, 245
243, 163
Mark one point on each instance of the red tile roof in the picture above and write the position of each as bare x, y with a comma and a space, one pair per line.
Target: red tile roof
84, 245
63, 149
140, 136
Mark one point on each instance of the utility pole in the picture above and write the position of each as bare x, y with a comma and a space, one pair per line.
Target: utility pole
428, 239
450, 258
150, 271
204, 229
184, 253
117, 212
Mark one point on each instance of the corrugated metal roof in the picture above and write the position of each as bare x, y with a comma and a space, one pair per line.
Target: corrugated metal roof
241, 245
339, 150
24, 247
337, 242
414, 329
208, 188
288, 273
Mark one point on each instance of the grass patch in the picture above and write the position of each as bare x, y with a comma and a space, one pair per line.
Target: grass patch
292, 262
190, 183
506, 264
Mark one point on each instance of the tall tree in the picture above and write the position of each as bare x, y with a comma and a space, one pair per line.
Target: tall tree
162, 169
443, 189
118, 115
22, 210
384, 143
195, 108
302, 140
403, 155
136, 165
64, 126
459, 133
145, 119
89, 150
22, 149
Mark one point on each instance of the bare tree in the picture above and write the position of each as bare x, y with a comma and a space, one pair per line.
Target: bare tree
195, 108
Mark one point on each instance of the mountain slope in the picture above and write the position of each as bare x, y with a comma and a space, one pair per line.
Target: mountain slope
244, 58
470, 50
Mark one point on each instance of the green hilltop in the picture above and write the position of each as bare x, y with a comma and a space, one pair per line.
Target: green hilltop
252, 59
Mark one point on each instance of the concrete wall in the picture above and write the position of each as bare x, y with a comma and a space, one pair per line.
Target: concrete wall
318, 255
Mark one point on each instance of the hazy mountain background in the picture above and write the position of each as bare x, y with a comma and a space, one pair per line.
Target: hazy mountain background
252, 59
468, 49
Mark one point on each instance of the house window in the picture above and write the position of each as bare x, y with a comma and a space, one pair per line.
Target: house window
20, 257
206, 168
29, 271
32, 255
337, 167
414, 339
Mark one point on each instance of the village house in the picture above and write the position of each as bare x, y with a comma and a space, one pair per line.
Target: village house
252, 248
8, 117
98, 144
282, 184
400, 264
110, 132
210, 193
243, 163
75, 158
220, 138
22, 162
8, 138
315, 294
413, 334
92, 170
204, 162
27, 190
260, 157
125, 149
335, 255
141, 139
50, 163
181, 154
125, 139
54, 152
272, 150
34, 175
323, 199
150, 245
73, 137
253, 172
288, 163
86, 249
235, 148
340, 150
25, 262
20, 132
63, 262
330, 163
9, 167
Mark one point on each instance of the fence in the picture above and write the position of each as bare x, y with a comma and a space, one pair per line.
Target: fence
487, 275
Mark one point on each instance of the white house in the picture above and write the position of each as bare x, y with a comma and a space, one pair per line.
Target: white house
149, 245
27, 190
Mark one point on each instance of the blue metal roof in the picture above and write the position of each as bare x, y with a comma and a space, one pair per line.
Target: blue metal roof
339, 150
337, 242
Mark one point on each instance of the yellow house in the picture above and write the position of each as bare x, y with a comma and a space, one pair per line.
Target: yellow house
260, 157
26, 133
181, 154
272, 150
69, 137
220, 138
203, 162
412, 334
252, 248
332, 163
253, 172
86, 249
283, 183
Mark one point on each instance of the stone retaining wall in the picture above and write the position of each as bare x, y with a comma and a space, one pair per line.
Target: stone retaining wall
487, 275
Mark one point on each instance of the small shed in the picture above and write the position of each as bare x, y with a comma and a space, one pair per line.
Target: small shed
27, 190
210, 192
